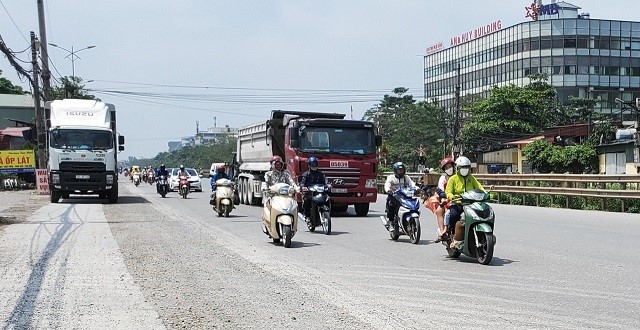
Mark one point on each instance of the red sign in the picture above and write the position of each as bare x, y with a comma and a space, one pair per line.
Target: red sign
476, 33
434, 48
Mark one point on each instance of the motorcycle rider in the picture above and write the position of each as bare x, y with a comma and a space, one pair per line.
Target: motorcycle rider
134, 170
459, 183
448, 166
219, 174
278, 174
312, 176
394, 181
161, 171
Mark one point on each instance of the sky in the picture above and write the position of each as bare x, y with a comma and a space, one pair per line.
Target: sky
166, 65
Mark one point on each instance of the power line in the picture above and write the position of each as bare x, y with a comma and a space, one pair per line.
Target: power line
14, 22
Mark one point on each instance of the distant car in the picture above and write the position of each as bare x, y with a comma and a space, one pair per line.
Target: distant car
194, 179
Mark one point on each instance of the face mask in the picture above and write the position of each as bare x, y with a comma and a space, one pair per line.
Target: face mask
313, 168
464, 171
449, 171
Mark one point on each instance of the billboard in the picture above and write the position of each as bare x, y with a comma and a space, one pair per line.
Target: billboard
17, 161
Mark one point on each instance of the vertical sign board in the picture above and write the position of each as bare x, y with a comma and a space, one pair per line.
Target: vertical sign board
42, 181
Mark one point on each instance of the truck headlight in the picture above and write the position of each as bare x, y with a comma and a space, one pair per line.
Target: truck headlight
371, 183
55, 178
109, 178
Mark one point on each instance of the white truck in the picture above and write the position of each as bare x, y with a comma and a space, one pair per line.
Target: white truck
83, 147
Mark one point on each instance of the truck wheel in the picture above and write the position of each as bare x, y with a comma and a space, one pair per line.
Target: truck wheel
362, 209
113, 196
55, 196
243, 187
252, 200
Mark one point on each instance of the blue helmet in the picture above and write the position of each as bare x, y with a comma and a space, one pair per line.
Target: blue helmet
312, 161
397, 167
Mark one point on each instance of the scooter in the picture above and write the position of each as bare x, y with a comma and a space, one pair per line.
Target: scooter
150, 178
183, 186
222, 198
320, 208
474, 232
136, 179
407, 220
280, 213
162, 186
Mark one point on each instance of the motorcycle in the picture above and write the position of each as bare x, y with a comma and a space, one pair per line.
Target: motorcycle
136, 179
144, 176
223, 202
320, 214
183, 186
475, 230
280, 213
162, 186
150, 178
407, 220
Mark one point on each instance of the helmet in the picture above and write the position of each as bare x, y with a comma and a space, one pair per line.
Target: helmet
463, 161
275, 160
162, 167
313, 162
446, 161
181, 167
397, 167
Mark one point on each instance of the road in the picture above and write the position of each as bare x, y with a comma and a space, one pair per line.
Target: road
156, 263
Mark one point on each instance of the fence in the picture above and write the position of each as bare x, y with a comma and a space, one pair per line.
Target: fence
603, 187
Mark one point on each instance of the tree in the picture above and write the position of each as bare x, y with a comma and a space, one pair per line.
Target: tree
406, 125
7, 87
510, 113
546, 158
72, 88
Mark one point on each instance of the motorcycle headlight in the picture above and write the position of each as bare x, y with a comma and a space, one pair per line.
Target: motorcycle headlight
55, 178
370, 183
109, 178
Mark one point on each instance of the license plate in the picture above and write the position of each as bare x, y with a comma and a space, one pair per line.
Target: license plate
339, 190
337, 163
83, 176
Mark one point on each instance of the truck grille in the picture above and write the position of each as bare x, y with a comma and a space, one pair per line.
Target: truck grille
342, 177
82, 167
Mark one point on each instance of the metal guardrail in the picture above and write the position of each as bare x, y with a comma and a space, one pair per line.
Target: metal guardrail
569, 185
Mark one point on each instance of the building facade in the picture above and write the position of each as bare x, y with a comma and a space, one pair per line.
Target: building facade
582, 57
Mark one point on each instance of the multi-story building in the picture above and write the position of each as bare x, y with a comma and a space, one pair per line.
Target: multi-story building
583, 57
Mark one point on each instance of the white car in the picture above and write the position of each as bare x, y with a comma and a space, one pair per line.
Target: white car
194, 179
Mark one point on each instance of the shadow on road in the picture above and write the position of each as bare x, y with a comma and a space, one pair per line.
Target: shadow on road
494, 262
131, 200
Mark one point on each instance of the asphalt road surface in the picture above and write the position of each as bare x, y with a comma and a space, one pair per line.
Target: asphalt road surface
151, 262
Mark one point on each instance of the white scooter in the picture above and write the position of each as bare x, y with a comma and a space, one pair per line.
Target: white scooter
223, 203
136, 179
280, 213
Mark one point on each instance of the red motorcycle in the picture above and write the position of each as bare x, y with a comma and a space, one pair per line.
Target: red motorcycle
183, 186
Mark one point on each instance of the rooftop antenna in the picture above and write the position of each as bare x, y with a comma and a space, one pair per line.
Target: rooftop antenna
215, 119
197, 127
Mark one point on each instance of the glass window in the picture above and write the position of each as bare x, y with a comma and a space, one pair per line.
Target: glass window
535, 43
626, 26
565, 43
556, 27
603, 43
582, 69
605, 25
556, 69
545, 43
615, 70
582, 42
625, 44
615, 25
614, 43
582, 23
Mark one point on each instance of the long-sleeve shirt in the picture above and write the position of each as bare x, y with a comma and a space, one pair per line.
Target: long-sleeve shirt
273, 177
458, 184
393, 183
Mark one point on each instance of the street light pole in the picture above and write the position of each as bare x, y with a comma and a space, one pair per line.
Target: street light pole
72, 55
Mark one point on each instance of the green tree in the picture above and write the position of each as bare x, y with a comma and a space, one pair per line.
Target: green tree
546, 158
7, 87
405, 125
511, 113
72, 88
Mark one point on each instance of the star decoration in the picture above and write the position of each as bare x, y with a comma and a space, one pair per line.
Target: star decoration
532, 11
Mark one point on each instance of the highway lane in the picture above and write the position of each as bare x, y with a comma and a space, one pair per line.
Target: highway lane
551, 268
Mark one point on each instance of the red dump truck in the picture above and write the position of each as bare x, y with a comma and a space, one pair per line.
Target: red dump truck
346, 150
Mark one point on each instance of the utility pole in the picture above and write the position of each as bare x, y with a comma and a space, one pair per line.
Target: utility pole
42, 161
456, 125
46, 74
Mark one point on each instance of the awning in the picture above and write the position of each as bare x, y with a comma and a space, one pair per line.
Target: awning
14, 131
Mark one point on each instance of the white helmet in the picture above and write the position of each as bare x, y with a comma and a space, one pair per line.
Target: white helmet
463, 161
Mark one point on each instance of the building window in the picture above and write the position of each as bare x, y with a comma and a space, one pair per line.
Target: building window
569, 69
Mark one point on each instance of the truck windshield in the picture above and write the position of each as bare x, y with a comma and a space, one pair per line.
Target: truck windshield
344, 140
81, 139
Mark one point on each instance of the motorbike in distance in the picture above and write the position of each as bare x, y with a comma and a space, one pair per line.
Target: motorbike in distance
162, 186
407, 219
474, 231
136, 179
222, 198
183, 185
280, 212
320, 214
150, 177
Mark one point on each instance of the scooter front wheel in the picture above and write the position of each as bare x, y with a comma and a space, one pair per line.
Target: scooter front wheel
325, 219
485, 250
286, 235
414, 235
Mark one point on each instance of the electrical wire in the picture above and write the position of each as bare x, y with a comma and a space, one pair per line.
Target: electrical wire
14, 22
